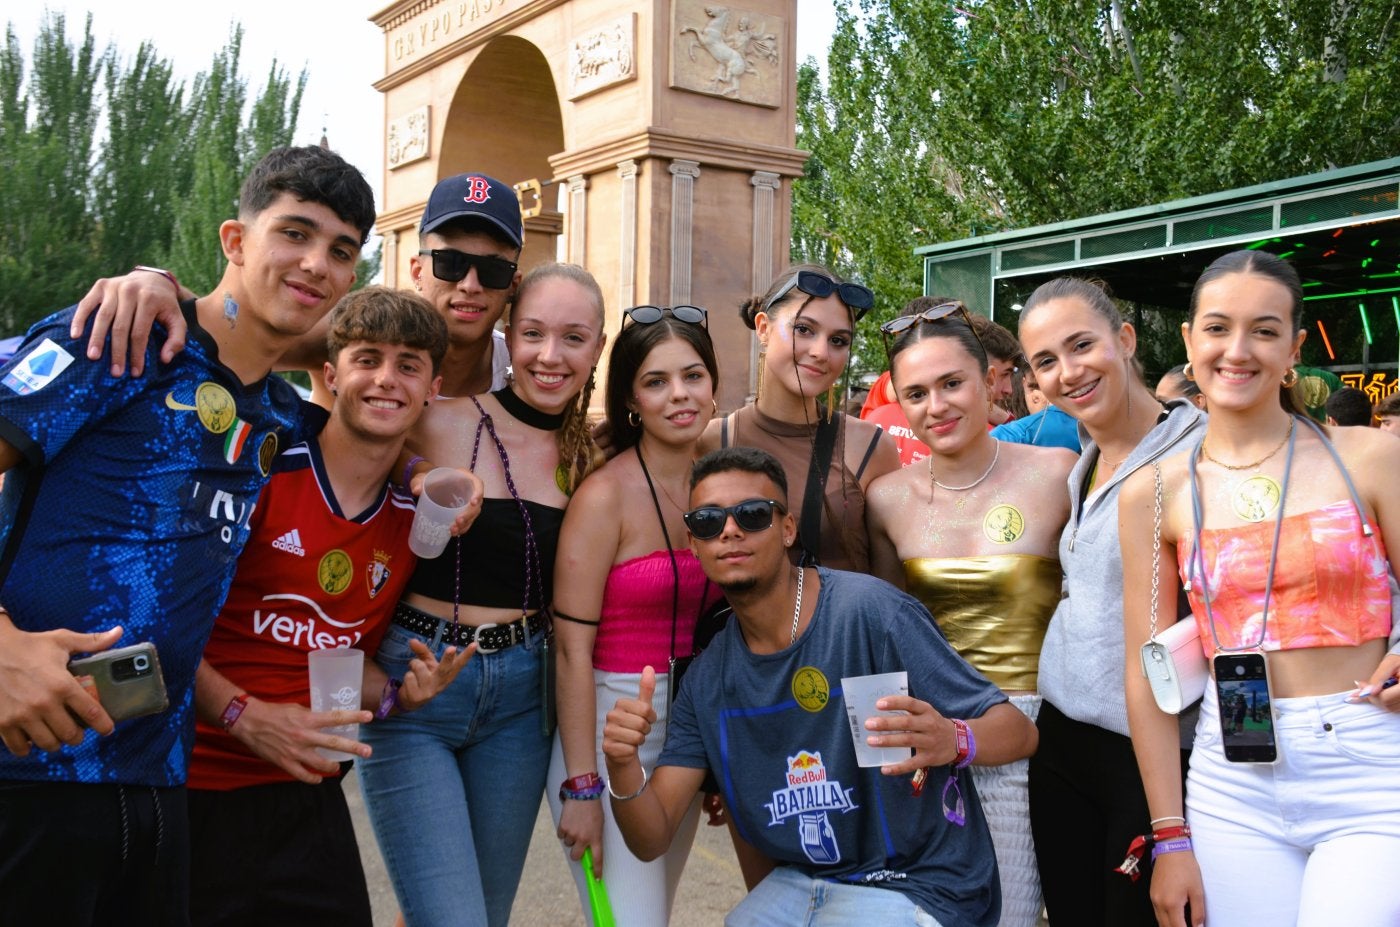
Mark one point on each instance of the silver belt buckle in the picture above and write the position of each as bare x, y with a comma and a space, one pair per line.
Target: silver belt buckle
480, 629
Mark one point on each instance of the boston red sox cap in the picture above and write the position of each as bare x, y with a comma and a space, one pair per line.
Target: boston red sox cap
474, 196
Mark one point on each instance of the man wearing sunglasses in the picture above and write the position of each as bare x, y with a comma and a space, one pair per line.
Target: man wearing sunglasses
470, 239
763, 707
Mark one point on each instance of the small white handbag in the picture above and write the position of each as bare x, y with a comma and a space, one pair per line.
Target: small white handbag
1173, 662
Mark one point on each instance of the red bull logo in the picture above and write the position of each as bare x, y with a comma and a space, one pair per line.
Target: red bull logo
806, 767
478, 191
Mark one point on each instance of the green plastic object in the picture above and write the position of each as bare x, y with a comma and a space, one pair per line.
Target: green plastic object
597, 894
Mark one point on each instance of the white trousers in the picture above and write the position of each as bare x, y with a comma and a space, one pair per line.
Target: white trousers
1312, 840
641, 893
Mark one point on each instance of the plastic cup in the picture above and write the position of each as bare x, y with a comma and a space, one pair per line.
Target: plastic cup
335, 684
860, 694
446, 493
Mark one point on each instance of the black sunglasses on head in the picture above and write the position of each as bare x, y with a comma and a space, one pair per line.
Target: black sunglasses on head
857, 298
939, 313
648, 315
708, 521
451, 265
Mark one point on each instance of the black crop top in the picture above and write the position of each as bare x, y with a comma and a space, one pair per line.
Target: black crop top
493, 558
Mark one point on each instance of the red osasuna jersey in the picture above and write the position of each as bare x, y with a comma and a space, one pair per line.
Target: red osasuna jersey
310, 577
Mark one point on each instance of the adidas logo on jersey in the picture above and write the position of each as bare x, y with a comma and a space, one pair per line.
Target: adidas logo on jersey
291, 543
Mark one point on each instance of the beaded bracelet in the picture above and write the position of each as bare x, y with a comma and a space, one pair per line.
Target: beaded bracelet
587, 787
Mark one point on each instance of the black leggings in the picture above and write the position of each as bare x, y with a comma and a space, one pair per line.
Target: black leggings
1087, 804
77, 854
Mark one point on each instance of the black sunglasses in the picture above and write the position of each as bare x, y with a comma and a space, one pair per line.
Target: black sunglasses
857, 298
708, 521
452, 265
648, 315
891, 329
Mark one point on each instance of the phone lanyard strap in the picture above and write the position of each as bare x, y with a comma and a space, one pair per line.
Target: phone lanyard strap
1197, 560
670, 551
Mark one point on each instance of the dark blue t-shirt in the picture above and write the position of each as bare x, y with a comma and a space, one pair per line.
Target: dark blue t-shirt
773, 728
131, 507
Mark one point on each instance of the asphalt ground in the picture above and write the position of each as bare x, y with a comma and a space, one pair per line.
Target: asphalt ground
710, 886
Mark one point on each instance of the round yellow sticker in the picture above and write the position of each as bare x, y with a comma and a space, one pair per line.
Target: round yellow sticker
810, 688
1004, 524
334, 572
1257, 497
215, 407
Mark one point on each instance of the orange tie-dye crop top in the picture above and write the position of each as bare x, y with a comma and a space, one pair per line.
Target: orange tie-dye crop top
1332, 584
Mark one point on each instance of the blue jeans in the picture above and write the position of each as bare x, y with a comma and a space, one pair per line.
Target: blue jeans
789, 898
463, 771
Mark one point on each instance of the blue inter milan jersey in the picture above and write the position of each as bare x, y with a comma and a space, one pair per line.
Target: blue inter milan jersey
130, 507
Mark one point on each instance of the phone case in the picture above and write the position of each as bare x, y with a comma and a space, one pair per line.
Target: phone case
127, 681
1243, 691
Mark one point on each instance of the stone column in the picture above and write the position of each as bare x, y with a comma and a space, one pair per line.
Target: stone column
765, 185
390, 258
578, 219
683, 174
627, 236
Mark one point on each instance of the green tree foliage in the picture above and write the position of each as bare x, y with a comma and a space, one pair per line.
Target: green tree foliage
940, 121
107, 162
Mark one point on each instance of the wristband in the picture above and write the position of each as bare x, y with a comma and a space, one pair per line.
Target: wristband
233, 711
587, 787
967, 744
413, 461
389, 700
164, 273
1170, 817
640, 789
1171, 846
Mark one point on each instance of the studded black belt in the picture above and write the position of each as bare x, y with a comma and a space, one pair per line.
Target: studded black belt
489, 637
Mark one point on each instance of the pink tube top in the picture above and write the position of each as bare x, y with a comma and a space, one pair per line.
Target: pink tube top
635, 624
1331, 585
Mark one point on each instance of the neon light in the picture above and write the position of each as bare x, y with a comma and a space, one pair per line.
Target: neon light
1375, 241
1365, 322
1338, 233
1395, 304
1366, 262
1393, 289
1328, 253
1327, 342
1287, 254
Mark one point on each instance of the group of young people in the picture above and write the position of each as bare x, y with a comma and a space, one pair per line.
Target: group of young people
238, 529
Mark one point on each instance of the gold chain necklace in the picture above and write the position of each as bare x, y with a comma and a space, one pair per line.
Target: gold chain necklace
1258, 463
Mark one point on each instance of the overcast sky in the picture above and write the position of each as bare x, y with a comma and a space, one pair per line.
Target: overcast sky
342, 51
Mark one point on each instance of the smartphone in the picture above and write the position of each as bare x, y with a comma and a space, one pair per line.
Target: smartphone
1246, 708
127, 681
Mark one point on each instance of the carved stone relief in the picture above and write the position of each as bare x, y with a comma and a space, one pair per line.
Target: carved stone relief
407, 138
727, 52
603, 57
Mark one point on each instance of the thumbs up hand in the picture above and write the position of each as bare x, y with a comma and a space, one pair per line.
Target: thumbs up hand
629, 722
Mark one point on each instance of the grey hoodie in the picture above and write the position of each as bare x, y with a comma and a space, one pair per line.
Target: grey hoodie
1081, 662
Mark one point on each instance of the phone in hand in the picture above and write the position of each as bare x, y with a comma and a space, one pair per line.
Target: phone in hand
127, 681
1246, 708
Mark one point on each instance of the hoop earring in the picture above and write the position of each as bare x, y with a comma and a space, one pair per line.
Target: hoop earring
762, 362
1188, 373
714, 407
1290, 379
633, 418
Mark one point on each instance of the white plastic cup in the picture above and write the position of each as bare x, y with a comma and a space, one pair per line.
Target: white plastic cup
860, 694
336, 676
446, 492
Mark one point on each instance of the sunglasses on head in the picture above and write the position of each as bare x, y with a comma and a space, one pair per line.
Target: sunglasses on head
890, 331
708, 521
451, 265
857, 298
648, 315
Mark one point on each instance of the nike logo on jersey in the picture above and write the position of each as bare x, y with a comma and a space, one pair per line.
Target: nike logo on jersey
291, 543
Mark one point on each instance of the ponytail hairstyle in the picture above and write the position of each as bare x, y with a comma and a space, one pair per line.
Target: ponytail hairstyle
574, 437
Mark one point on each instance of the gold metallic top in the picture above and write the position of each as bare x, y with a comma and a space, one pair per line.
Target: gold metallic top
994, 610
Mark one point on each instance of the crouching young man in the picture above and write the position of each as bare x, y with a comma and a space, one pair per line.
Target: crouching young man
763, 708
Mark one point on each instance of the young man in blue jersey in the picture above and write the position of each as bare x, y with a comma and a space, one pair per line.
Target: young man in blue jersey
763, 708
125, 504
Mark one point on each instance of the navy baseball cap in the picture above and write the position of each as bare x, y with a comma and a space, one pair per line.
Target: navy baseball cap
474, 196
